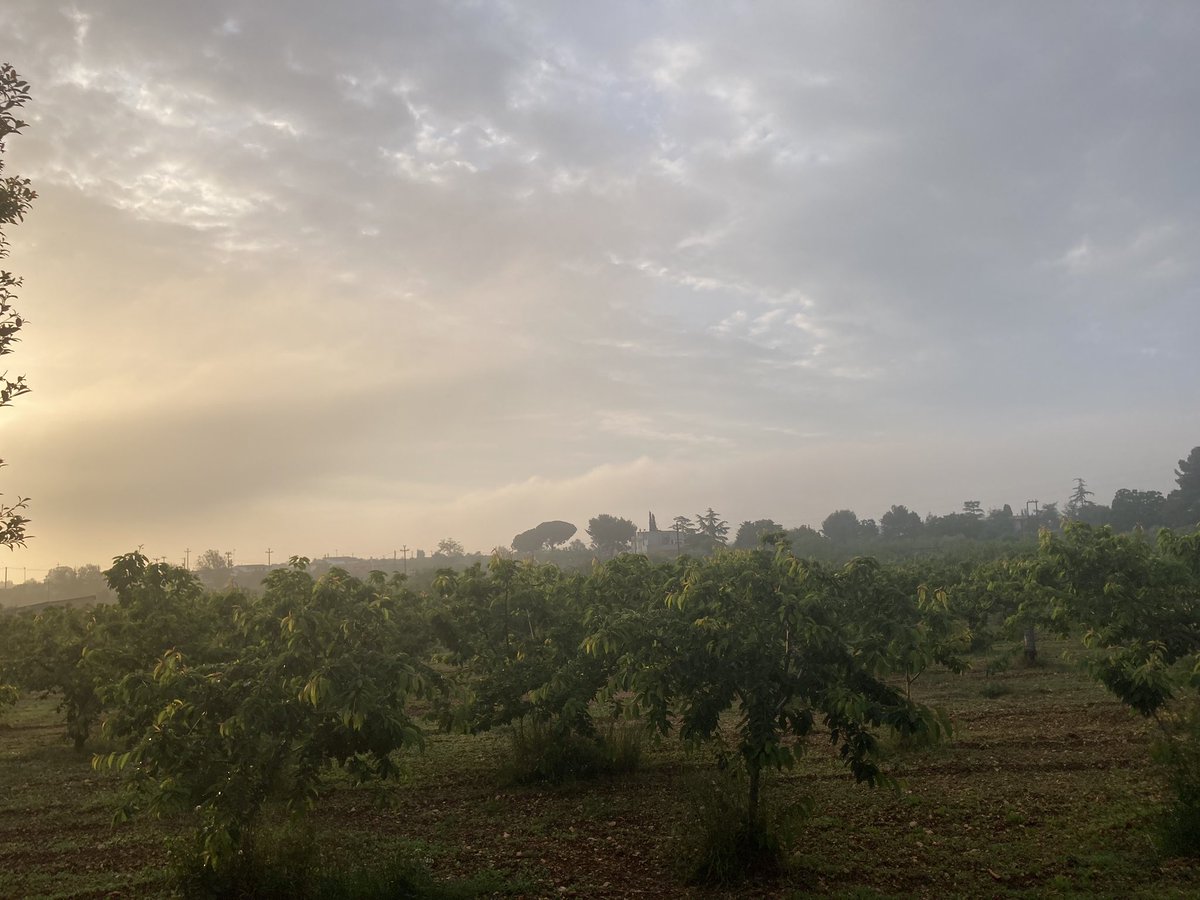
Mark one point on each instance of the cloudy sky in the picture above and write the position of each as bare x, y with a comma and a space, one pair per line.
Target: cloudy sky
341, 277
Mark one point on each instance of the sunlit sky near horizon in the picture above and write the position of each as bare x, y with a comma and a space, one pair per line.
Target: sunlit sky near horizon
343, 277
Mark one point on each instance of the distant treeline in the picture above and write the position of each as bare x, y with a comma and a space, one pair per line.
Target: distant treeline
900, 533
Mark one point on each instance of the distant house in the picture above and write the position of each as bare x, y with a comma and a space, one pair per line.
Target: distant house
653, 542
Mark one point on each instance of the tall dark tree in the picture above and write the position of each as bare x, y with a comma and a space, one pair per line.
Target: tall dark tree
712, 527
611, 534
1183, 503
900, 522
527, 541
750, 534
808, 542
546, 535
1131, 508
555, 532
1079, 500
16, 195
842, 526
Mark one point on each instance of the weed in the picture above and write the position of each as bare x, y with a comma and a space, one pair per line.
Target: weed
719, 845
544, 752
623, 747
997, 665
993, 689
274, 861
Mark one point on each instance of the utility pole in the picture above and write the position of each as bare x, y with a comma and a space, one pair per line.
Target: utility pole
268, 557
404, 550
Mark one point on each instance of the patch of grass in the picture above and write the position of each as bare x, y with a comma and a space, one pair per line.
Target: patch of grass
542, 753
623, 746
993, 689
288, 861
9, 695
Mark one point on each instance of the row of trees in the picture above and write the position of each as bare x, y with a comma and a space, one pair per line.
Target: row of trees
843, 530
220, 700
707, 531
842, 533
1130, 508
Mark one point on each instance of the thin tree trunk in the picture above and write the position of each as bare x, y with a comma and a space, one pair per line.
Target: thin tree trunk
752, 811
1031, 644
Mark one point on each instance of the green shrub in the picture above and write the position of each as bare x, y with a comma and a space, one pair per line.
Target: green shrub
9, 695
718, 846
997, 665
1179, 755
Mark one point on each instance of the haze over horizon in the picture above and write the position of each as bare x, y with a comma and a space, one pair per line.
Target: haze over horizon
351, 276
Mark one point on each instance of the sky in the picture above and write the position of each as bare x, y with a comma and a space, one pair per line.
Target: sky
341, 278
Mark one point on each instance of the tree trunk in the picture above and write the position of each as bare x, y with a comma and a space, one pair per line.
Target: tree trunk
752, 810
1030, 644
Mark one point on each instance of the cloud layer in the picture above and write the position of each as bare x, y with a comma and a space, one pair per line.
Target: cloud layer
316, 276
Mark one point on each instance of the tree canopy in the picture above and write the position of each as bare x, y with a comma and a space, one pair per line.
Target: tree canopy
213, 561
1183, 503
611, 534
750, 534
546, 535
900, 522
843, 525
450, 547
16, 195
